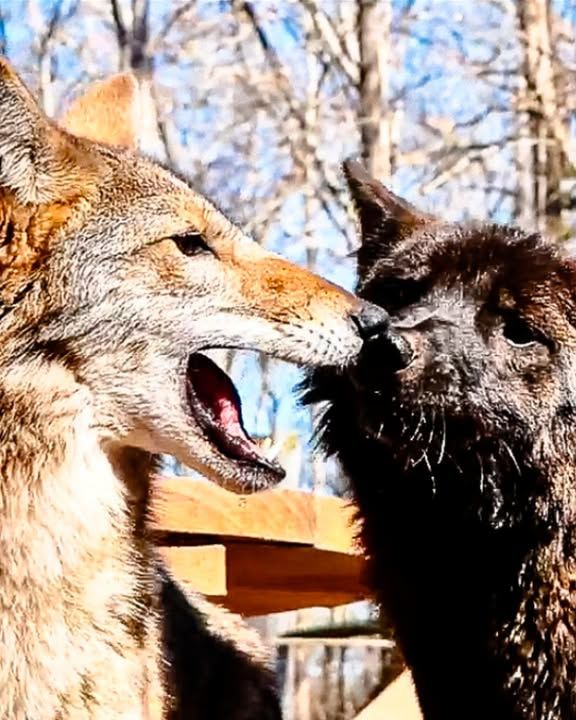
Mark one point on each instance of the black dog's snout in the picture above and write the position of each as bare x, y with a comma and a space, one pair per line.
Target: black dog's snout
371, 320
384, 350
387, 350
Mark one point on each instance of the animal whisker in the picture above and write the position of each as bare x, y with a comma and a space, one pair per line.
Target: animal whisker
511, 455
432, 429
481, 465
432, 478
421, 420
443, 443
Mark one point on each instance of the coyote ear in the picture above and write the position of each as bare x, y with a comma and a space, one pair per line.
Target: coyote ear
39, 163
383, 217
107, 112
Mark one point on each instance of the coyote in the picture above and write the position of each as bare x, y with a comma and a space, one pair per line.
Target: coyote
114, 276
457, 429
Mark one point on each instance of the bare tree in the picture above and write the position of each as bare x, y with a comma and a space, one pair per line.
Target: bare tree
545, 128
374, 27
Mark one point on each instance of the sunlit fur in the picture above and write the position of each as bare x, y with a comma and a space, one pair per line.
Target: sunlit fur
99, 311
462, 464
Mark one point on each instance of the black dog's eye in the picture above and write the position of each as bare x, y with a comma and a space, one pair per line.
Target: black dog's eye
191, 243
519, 333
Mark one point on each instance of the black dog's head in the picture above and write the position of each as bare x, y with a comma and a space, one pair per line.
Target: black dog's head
477, 370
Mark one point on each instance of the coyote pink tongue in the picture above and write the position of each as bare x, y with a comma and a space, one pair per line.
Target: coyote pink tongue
222, 407
214, 389
214, 404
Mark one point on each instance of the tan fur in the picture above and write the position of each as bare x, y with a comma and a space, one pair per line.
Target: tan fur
40, 163
99, 312
63, 551
107, 112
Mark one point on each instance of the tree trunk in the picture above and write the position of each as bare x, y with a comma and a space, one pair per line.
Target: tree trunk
543, 129
132, 35
373, 28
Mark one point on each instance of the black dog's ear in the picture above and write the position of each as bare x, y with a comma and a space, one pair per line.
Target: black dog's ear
383, 217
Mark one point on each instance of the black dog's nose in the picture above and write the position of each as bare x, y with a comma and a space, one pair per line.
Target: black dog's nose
384, 349
371, 320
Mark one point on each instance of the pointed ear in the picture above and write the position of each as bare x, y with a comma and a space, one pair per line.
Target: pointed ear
39, 163
383, 217
107, 112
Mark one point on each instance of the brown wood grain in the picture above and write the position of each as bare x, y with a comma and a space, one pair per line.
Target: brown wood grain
183, 505
297, 568
196, 507
251, 603
336, 527
264, 579
202, 567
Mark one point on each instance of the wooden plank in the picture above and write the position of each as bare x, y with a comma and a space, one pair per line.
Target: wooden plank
184, 505
273, 551
336, 527
251, 603
196, 507
269, 567
398, 701
202, 567
265, 579
258, 579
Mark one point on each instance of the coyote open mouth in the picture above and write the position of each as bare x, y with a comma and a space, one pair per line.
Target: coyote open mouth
215, 404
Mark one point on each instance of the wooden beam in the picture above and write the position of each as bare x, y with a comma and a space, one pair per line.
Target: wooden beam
265, 567
184, 505
258, 579
198, 507
264, 553
202, 567
251, 603
265, 579
336, 525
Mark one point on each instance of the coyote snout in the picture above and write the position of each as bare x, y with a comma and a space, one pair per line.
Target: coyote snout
117, 269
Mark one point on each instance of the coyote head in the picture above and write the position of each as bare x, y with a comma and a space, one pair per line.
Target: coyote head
116, 269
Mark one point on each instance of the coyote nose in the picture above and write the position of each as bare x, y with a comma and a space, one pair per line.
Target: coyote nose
371, 320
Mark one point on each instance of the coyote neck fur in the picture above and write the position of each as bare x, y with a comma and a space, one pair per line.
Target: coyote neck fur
70, 560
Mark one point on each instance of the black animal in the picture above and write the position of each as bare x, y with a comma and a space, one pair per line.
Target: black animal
228, 676
457, 430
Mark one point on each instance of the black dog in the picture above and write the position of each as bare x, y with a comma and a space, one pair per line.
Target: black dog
457, 430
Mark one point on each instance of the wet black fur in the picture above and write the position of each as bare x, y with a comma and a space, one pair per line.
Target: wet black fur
463, 469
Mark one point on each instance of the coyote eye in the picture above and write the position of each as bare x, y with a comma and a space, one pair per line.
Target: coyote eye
519, 333
191, 243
